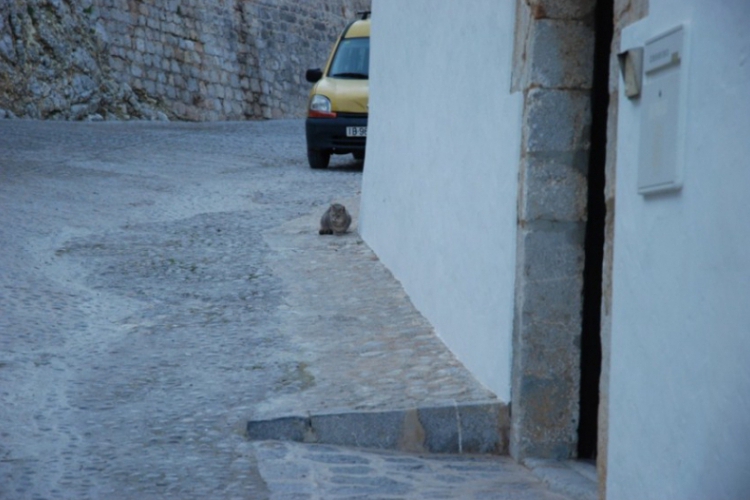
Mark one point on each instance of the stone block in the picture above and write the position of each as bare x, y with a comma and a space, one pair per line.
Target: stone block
552, 304
237, 109
444, 425
550, 347
286, 428
555, 186
117, 64
552, 250
150, 87
367, 430
551, 406
562, 54
484, 428
136, 70
557, 120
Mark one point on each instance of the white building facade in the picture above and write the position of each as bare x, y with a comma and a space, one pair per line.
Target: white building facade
679, 411
453, 204
439, 194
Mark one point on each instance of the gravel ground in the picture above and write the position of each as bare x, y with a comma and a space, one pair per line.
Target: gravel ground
162, 283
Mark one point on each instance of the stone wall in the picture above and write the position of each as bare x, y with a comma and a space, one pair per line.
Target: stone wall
183, 59
53, 64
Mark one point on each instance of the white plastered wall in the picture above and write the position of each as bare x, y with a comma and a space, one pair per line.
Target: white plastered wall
679, 416
441, 175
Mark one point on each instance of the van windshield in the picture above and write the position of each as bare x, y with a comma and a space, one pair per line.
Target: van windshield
352, 59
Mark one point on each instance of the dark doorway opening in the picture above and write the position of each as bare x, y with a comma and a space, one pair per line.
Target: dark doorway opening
591, 349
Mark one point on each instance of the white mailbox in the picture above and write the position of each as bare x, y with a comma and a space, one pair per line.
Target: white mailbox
663, 113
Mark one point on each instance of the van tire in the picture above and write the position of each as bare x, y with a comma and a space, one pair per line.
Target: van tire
359, 155
318, 159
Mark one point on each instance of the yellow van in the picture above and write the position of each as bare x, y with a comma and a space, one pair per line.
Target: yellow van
337, 109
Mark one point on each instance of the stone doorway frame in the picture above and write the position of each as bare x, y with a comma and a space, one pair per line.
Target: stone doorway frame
553, 68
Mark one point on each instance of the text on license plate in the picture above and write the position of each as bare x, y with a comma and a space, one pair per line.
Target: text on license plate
356, 131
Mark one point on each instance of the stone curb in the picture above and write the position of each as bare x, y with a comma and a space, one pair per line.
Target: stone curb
461, 428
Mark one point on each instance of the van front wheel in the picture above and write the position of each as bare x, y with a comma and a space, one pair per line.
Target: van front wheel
318, 159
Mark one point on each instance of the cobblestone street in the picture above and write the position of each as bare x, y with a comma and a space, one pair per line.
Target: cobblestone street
163, 283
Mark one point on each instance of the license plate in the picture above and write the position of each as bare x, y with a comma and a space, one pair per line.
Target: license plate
356, 131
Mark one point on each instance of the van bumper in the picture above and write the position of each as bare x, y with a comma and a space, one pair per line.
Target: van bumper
329, 134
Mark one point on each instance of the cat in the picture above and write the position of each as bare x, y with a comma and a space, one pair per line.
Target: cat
336, 220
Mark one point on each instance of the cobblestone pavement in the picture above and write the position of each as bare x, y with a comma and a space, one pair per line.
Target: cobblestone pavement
162, 284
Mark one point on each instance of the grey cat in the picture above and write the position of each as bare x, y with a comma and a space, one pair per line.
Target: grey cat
336, 220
